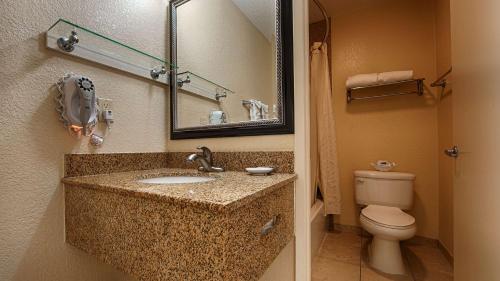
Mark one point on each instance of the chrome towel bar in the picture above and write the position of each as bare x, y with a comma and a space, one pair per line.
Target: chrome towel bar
441, 81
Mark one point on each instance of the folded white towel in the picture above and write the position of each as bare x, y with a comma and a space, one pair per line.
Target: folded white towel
265, 111
258, 110
361, 80
254, 110
394, 76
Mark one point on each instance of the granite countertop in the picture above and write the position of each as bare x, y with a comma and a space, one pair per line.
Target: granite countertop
229, 191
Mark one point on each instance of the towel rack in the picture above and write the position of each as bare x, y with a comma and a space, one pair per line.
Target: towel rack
419, 83
441, 81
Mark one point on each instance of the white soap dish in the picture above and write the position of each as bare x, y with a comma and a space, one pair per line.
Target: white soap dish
260, 170
383, 165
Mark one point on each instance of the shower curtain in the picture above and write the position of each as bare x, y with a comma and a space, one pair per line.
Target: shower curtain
324, 162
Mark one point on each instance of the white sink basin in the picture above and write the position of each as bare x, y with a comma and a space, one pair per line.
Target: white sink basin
176, 180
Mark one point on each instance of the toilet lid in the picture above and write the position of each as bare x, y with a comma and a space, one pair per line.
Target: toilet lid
390, 216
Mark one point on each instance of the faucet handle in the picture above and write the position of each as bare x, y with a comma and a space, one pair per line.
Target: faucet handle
207, 153
204, 149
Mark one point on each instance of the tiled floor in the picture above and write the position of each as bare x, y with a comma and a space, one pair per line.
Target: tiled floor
343, 257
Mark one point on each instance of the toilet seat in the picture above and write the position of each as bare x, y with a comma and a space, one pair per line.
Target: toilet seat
390, 217
389, 226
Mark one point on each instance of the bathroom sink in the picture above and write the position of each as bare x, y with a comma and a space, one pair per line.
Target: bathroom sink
176, 180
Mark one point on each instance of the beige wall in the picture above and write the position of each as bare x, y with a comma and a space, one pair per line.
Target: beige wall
391, 35
445, 125
33, 141
223, 46
253, 143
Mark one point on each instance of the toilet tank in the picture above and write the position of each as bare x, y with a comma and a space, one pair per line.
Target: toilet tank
384, 188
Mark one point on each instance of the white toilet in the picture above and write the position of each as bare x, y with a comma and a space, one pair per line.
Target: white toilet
385, 195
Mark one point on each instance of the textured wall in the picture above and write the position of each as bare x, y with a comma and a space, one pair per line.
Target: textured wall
33, 141
254, 143
388, 35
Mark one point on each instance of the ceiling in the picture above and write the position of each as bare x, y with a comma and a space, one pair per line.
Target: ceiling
261, 13
337, 7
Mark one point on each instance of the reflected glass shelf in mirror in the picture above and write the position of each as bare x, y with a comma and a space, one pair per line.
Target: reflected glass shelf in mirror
198, 85
69, 38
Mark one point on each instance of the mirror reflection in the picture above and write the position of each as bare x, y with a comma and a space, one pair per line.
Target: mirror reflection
227, 63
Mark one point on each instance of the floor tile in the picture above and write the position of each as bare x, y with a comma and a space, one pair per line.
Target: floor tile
428, 263
327, 269
343, 247
431, 257
344, 257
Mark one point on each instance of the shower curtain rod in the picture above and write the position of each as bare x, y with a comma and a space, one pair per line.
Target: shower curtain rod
327, 21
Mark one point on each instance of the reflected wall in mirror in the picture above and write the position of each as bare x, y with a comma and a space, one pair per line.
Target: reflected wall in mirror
234, 68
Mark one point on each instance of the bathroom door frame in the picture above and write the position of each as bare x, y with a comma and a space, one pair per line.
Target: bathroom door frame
302, 140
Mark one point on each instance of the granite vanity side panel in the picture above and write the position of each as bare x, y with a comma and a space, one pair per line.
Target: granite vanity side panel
92, 164
249, 253
283, 161
145, 238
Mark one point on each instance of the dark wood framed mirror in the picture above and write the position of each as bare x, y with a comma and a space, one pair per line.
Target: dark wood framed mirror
232, 68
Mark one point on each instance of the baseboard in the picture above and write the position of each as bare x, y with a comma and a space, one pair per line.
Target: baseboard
421, 240
348, 228
446, 253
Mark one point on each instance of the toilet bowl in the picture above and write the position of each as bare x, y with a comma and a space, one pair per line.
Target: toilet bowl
388, 225
384, 196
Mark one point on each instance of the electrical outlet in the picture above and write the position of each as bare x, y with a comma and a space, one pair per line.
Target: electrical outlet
104, 105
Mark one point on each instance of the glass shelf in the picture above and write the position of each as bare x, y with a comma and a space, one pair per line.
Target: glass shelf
196, 84
98, 48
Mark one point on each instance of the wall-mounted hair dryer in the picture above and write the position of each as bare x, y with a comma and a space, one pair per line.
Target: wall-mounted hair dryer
77, 104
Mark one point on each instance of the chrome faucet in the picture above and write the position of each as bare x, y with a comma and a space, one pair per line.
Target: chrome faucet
206, 160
